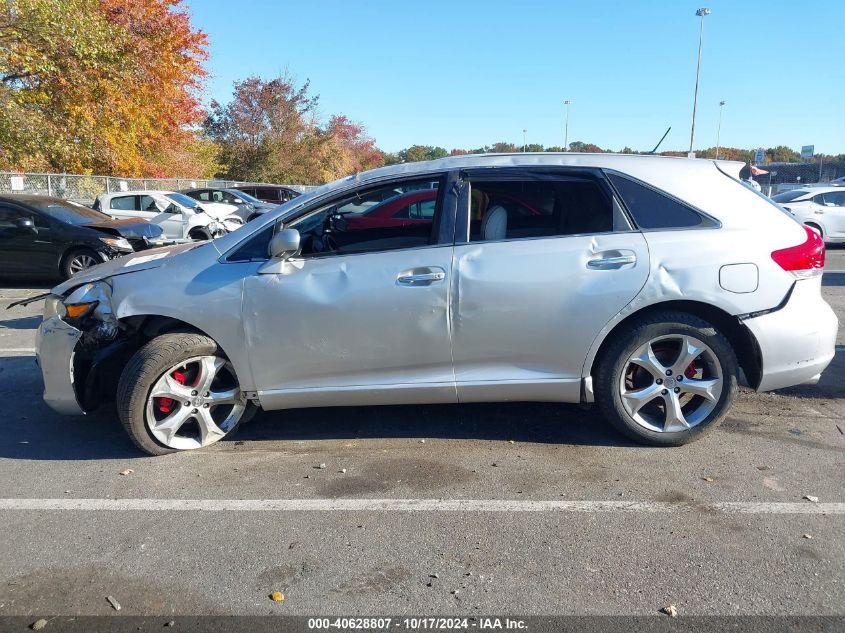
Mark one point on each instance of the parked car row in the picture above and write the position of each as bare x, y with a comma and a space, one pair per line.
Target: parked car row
820, 208
48, 237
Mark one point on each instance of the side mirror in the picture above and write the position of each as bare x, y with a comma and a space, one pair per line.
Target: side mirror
285, 244
26, 224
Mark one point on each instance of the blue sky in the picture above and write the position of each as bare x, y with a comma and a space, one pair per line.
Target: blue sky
465, 73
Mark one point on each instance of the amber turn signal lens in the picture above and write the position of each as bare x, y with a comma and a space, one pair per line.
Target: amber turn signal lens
78, 309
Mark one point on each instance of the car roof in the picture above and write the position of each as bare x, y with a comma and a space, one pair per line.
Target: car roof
142, 192
629, 163
817, 190
29, 198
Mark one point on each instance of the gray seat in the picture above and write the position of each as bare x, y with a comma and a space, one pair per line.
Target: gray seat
494, 224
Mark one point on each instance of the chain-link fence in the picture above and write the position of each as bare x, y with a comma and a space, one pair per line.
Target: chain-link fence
85, 189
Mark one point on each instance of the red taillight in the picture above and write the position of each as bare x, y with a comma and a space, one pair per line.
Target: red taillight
804, 260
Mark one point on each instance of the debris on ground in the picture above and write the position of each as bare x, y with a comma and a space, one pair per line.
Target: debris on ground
38, 624
434, 575
707, 478
807, 536
114, 603
128, 471
422, 441
811, 498
171, 623
277, 596
671, 611
343, 471
320, 467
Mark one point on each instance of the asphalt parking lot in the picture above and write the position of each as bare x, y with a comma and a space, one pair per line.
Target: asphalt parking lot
529, 509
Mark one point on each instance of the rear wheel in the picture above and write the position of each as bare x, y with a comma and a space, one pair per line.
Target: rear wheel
178, 392
667, 380
77, 260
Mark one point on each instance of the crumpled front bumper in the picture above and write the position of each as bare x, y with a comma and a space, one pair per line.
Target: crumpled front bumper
55, 344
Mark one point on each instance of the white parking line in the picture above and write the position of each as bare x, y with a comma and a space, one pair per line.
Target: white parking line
18, 350
414, 505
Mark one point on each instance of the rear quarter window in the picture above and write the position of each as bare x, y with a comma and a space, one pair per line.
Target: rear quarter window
652, 209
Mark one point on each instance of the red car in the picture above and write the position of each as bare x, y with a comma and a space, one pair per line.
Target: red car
406, 209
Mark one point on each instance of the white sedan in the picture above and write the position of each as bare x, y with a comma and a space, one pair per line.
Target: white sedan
180, 216
820, 208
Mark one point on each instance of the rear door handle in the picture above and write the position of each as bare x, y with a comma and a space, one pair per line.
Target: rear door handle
613, 262
421, 276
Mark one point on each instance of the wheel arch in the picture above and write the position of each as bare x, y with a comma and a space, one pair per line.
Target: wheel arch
101, 369
738, 335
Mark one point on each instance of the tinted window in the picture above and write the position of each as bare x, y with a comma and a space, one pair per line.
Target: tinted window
123, 203
148, 203
789, 196
70, 212
654, 210
182, 199
256, 247
365, 222
518, 209
10, 216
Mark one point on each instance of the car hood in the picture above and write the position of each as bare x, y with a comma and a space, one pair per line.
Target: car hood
218, 210
144, 260
130, 228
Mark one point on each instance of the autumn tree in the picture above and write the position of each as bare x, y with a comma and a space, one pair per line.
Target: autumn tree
270, 132
100, 85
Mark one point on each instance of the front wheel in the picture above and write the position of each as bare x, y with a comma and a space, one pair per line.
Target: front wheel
667, 379
77, 260
178, 392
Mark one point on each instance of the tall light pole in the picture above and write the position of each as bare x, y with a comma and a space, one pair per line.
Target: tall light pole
719, 129
702, 13
524, 141
566, 127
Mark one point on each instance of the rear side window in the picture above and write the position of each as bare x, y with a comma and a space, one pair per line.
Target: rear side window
123, 203
654, 210
515, 209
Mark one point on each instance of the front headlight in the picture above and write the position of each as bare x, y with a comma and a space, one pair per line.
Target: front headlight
117, 243
53, 306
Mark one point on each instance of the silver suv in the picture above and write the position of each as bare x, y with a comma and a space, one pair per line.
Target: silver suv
647, 285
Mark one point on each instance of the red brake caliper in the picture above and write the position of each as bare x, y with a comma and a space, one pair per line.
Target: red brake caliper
165, 405
689, 372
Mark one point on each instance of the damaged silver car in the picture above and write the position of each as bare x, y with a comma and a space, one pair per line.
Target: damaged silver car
649, 285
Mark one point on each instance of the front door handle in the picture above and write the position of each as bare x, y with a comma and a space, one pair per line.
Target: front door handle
612, 261
421, 276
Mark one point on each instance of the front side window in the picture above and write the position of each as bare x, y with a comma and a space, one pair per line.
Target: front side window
364, 222
514, 209
652, 209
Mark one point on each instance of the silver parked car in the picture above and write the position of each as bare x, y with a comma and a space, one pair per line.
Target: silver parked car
648, 285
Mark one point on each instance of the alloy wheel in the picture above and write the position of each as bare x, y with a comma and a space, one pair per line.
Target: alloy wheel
195, 403
671, 383
81, 262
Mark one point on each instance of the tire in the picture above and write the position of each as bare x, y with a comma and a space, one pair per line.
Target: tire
691, 398
160, 424
199, 234
78, 259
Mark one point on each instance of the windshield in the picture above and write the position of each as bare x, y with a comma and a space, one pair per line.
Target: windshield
70, 212
788, 196
182, 199
244, 196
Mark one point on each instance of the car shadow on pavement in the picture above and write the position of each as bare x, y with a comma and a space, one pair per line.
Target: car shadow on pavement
42, 284
31, 430
21, 323
831, 385
538, 422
